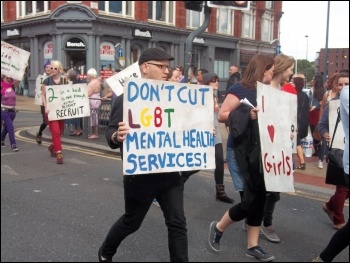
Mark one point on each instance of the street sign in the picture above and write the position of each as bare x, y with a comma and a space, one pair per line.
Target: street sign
238, 5
120, 52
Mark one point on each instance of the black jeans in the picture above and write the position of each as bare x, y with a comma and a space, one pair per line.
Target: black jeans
139, 192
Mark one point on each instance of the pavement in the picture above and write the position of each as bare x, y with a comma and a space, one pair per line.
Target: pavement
311, 176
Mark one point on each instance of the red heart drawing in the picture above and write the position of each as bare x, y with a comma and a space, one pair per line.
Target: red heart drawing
271, 130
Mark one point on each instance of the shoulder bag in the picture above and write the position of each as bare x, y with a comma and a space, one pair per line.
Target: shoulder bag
335, 168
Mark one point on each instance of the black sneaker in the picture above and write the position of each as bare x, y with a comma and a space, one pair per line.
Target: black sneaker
3, 144
100, 259
38, 138
258, 253
214, 238
14, 148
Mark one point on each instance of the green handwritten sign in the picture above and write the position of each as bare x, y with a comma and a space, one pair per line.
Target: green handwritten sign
67, 101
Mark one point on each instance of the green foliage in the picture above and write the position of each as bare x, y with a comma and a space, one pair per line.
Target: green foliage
307, 68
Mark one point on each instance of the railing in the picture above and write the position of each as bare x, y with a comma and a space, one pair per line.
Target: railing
103, 114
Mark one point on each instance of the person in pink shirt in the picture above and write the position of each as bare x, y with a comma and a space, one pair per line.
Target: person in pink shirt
8, 111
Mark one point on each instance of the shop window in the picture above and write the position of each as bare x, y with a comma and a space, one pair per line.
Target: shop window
267, 27
161, 11
194, 19
224, 18
248, 24
124, 8
32, 8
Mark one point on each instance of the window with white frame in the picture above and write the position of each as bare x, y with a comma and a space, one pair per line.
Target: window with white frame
224, 18
124, 8
161, 11
248, 24
267, 26
221, 68
2, 11
268, 4
32, 8
194, 19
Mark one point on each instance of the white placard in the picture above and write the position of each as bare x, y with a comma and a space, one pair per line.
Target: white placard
277, 121
67, 101
116, 82
14, 61
171, 127
38, 83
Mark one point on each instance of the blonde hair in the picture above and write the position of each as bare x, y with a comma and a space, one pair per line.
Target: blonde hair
58, 65
92, 73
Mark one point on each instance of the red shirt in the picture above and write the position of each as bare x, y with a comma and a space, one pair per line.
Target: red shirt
289, 88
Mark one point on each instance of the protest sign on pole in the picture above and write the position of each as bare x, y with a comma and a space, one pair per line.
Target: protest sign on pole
171, 127
38, 84
116, 82
14, 61
277, 123
339, 138
67, 101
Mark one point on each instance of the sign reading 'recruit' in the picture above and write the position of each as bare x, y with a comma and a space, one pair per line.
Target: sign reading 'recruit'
75, 43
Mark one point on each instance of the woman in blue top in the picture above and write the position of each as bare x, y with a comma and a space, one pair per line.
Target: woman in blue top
260, 68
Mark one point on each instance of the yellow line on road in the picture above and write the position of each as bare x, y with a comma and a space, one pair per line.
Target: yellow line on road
67, 147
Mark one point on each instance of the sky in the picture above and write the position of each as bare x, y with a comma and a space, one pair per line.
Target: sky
303, 18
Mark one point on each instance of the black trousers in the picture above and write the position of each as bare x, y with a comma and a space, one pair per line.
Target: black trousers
139, 192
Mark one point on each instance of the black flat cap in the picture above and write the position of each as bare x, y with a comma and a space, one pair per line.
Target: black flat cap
154, 54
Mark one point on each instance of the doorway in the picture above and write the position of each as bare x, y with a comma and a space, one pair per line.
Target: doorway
77, 61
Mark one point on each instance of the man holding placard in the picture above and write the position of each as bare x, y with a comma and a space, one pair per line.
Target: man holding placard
139, 190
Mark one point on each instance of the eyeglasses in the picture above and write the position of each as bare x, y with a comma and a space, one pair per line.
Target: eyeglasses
214, 80
54, 68
161, 66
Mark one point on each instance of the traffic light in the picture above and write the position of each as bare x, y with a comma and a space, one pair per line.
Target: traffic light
240, 5
194, 5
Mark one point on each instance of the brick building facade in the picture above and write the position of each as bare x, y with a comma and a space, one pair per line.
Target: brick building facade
338, 59
107, 35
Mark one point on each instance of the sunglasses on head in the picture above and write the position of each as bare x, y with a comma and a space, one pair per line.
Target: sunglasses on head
54, 68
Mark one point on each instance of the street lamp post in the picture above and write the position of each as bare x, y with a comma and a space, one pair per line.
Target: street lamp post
307, 44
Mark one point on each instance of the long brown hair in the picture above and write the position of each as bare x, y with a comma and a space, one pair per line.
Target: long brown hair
255, 70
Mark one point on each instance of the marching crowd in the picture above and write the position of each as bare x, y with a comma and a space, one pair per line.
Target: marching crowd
256, 206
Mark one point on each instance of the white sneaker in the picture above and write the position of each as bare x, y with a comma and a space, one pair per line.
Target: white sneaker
320, 164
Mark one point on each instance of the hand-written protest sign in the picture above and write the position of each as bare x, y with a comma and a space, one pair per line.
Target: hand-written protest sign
67, 101
277, 121
171, 127
339, 138
14, 60
39, 81
116, 82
